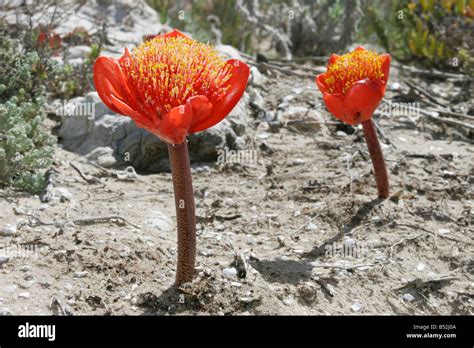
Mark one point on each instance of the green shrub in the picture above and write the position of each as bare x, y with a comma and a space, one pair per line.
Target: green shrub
26, 148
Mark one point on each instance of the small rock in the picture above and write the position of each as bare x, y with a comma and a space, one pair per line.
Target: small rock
81, 274
5, 312
19, 211
230, 272
24, 295
443, 231
288, 301
408, 297
298, 162
8, 231
340, 133
357, 307
311, 227
103, 156
236, 284
3, 259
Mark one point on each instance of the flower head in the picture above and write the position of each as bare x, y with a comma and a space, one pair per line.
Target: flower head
171, 85
354, 84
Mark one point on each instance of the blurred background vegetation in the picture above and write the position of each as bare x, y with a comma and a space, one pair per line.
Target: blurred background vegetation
430, 33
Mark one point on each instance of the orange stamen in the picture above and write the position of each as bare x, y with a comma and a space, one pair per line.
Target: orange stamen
167, 71
352, 67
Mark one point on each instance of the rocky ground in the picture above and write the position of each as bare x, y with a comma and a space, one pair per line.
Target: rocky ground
270, 227
288, 225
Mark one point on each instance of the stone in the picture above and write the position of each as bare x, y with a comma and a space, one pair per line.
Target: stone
408, 297
3, 259
144, 151
230, 272
8, 230
81, 274
103, 156
357, 307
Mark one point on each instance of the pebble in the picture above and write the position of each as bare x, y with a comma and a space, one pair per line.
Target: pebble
288, 301
230, 272
311, 227
357, 307
4, 312
25, 268
340, 133
298, 162
236, 284
443, 231
24, 295
408, 297
9, 289
8, 230
3, 259
81, 274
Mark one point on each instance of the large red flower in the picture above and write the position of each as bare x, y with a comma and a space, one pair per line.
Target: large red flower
171, 85
354, 84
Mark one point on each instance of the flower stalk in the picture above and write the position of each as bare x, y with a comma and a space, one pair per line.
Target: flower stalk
376, 155
185, 211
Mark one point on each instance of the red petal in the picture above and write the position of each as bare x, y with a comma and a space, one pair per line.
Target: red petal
201, 109
175, 124
238, 82
173, 33
385, 66
333, 58
359, 48
321, 84
105, 81
335, 105
361, 100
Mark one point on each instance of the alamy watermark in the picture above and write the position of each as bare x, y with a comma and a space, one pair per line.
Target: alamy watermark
405, 109
25, 251
236, 156
76, 109
348, 248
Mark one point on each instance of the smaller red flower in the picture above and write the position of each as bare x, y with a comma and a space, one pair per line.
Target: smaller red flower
354, 84
171, 85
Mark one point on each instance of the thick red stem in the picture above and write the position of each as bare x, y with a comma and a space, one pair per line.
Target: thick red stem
376, 155
185, 211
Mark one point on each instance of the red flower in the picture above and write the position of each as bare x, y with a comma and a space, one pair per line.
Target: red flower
54, 40
354, 84
171, 85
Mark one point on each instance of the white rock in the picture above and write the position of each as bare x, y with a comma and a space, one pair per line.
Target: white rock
81, 274
311, 227
357, 307
8, 230
3, 259
408, 297
257, 78
230, 272
24, 295
340, 133
298, 161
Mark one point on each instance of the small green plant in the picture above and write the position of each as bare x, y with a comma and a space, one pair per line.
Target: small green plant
26, 148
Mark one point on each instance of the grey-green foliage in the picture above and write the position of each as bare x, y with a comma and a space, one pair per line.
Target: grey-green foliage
26, 148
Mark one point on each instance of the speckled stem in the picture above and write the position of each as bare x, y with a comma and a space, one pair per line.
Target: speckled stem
376, 155
185, 211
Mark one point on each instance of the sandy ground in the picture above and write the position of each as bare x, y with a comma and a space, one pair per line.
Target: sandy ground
288, 214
